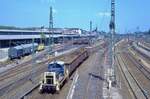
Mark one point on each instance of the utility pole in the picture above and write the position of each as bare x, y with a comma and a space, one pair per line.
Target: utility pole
51, 29
33, 61
90, 26
42, 34
90, 38
112, 21
136, 34
112, 31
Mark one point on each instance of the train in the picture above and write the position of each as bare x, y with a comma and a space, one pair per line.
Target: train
21, 50
40, 47
81, 41
59, 72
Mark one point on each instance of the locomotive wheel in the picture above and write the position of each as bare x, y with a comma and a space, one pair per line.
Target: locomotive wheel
57, 89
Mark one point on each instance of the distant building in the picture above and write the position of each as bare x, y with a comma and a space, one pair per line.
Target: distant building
76, 31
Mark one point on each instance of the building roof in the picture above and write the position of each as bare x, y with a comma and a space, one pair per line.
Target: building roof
15, 37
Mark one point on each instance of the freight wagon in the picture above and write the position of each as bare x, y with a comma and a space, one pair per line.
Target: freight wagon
58, 72
81, 41
21, 50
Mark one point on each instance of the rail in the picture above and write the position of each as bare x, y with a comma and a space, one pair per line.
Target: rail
141, 60
144, 45
140, 67
134, 85
33, 87
26, 70
141, 50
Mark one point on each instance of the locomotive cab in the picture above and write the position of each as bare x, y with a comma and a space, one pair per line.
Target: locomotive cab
52, 80
48, 82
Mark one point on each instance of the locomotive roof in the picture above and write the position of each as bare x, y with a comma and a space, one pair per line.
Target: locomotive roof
58, 62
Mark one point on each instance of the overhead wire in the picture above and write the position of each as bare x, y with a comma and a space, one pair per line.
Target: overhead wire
105, 11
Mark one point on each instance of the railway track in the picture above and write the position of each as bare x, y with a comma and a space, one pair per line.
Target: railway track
94, 75
38, 56
141, 73
21, 79
139, 52
18, 69
18, 76
140, 66
136, 88
22, 68
144, 45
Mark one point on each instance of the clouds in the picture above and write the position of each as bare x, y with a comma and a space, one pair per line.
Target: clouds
101, 14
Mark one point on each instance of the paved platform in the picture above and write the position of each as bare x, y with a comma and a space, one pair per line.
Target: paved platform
90, 81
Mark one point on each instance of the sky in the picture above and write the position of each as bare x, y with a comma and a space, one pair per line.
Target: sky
130, 14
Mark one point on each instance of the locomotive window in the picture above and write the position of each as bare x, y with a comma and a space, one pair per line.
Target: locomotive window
56, 66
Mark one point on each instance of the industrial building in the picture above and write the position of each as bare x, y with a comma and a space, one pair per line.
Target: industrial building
10, 38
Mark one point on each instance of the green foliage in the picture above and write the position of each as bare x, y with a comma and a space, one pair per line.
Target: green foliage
43, 37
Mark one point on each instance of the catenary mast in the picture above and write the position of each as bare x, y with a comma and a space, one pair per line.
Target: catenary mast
112, 31
50, 28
